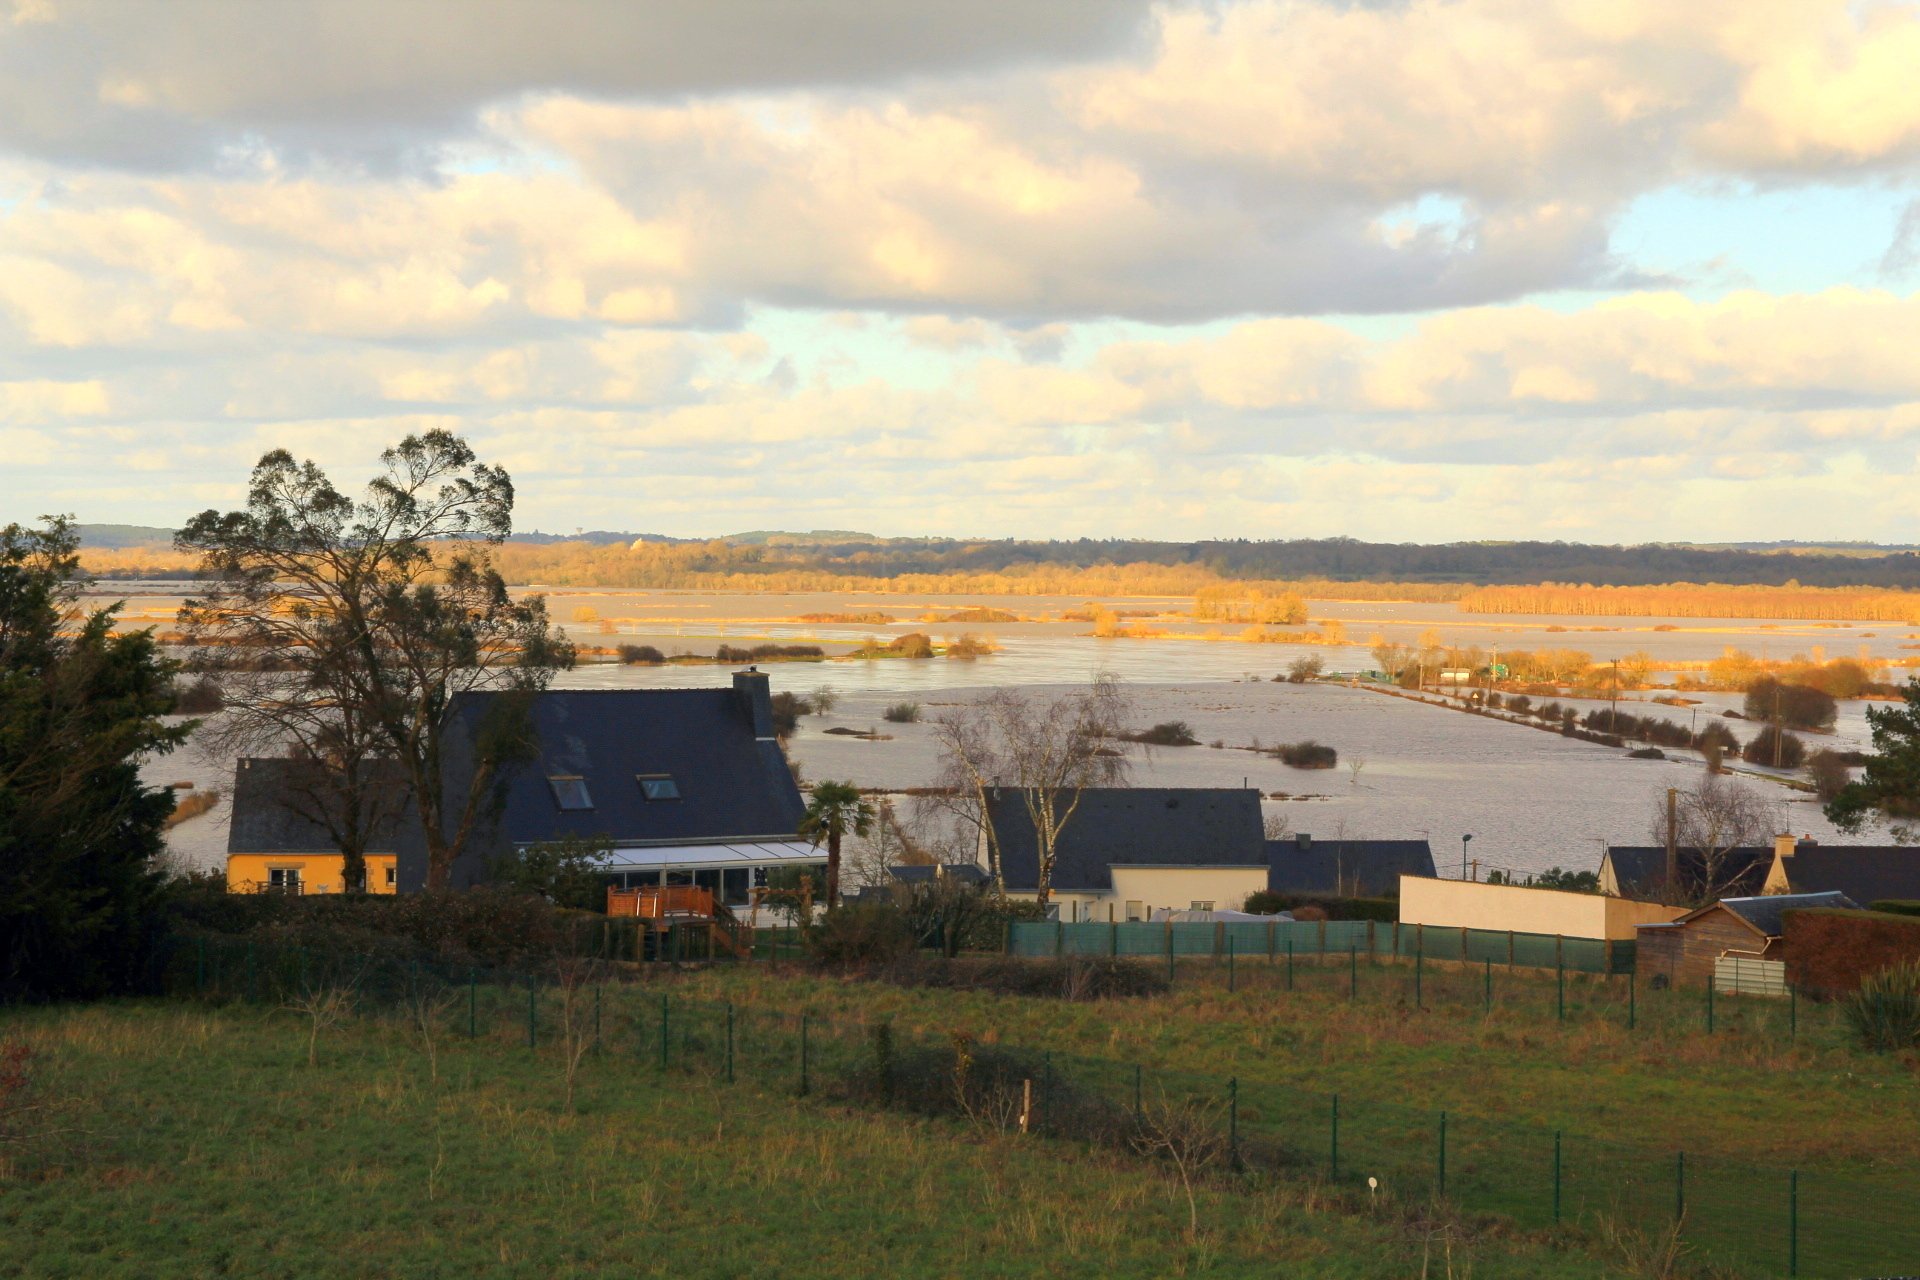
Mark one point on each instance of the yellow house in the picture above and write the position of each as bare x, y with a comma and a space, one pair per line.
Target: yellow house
275, 845
303, 873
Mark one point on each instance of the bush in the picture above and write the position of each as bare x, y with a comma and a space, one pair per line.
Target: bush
1266, 902
1831, 951
902, 713
1716, 737
1171, 733
199, 698
1885, 1012
1647, 753
1797, 706
1792, 752
640, 655
859, 934
770, 653
1301, 670
1307, 755
1896, 907
951, 916
787, 710
970, 646
915, 644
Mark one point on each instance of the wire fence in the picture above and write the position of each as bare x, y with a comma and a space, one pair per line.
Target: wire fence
1760, 1219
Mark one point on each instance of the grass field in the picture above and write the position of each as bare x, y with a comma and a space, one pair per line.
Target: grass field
184, 1140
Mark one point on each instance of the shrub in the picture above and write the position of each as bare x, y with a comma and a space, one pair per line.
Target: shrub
1647, 753
1897, 907
1830, 951
970, 646
980, 613
902, 713
640, 655
1792, 752
1301, 670
1307, 755
787, 709
858, 934
1885, 1012
193, 806
770, 653
1170, 733
1796, 705
1266, 902
1827, 771
198, 698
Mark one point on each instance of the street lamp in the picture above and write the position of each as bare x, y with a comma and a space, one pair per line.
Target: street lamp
1463, 856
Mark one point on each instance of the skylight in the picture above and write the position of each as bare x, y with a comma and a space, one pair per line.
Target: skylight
570, 793
658, 786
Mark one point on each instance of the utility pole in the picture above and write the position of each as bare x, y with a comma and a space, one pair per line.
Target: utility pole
1673, 843
1614, 726
1463, 856
1778, 733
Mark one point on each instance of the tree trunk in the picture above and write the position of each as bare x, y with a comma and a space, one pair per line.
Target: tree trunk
833, 867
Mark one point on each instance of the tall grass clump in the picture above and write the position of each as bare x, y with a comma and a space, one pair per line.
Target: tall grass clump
1884, 1013
1307, 755
902, 713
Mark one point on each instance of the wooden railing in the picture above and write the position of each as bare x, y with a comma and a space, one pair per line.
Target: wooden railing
662, 902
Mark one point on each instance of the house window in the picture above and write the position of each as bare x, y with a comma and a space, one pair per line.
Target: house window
570, 793
1201, 906
391, 878
283, 879
658, 786
1136, 911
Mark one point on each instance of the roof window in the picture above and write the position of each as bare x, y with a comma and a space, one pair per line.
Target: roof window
658, 786
570, 792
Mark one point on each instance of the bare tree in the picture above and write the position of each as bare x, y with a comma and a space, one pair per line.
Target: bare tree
1276, 826
1189, 1136
578, 980
1048, 750
970, 762
425, 1004
1711, 820
325, 1003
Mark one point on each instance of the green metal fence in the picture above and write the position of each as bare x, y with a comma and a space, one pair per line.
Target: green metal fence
1250, 938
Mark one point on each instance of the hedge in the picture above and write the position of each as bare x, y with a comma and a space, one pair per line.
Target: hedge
1897, 906
1267, 902
1832, 950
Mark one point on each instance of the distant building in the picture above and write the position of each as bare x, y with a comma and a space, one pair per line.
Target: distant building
1686, 950
1866, 873
1128, 851
1640, 872
278, 841
1507, 908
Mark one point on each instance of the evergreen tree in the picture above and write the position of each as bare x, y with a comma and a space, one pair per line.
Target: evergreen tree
80, 707
1890, 786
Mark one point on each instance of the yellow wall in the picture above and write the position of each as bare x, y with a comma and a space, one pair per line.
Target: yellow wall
1157, 888
319, 872
1502, 907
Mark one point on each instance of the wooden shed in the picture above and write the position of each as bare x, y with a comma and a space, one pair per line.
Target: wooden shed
1685, 950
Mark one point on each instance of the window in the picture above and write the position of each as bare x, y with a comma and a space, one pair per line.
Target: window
1201, 906
283, 879
391, 878
1136, 911
658, 786
570, 793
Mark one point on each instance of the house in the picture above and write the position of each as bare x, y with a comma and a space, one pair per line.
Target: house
1685, 950
278, 842
1640, 872
1345, 868
1129, 850
904, 880
675, 786
1512, 908
1866, 873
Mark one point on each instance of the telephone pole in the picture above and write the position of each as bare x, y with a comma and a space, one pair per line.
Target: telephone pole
1673, 844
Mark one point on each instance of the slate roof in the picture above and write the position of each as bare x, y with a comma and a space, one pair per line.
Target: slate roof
1130, 826
273, 814
716, 744
965, 872
1865, 873
1348, 868
1640, 870
1764, 913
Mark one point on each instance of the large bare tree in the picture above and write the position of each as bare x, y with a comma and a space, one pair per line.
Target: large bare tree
378, 611
1049, 749
1710, 821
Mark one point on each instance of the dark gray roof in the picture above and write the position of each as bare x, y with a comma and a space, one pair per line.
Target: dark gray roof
1864, 872
1640, 870
1130, 826
277, 808
716, 744
1764, 913
1347, 868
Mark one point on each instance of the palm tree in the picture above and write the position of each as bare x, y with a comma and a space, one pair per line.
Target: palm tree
833, 809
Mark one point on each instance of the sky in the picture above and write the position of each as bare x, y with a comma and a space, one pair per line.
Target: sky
1596, 270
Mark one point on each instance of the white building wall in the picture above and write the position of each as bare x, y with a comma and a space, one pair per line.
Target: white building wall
1140, 891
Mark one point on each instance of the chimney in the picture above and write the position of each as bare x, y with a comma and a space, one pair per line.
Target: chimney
754, 693
1302, 840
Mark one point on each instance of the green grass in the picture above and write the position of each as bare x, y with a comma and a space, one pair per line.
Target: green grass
197, 1140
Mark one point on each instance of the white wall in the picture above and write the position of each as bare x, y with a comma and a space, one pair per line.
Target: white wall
1457, 904
1159, 887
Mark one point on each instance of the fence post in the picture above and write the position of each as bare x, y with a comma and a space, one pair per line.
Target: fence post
1560, 982
1289, 964
1273, 945
1113, 936
1059, 937
1793, 1012
1353, 975
1008, 933
1710, 986
1489, 980
473, 1004
1419, 967
1633, 984
1233, 1122
1440, 1169
663, 1032
1679, 1186
729, 1042
1793, 1222
1509, 948
533, 997
1334, 1160
1229, 964
1556, 1177
1169, 953
803, 1055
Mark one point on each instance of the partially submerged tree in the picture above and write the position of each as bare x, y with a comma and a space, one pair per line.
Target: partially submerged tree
80, 707
380, 611
835, 809
1889, 789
